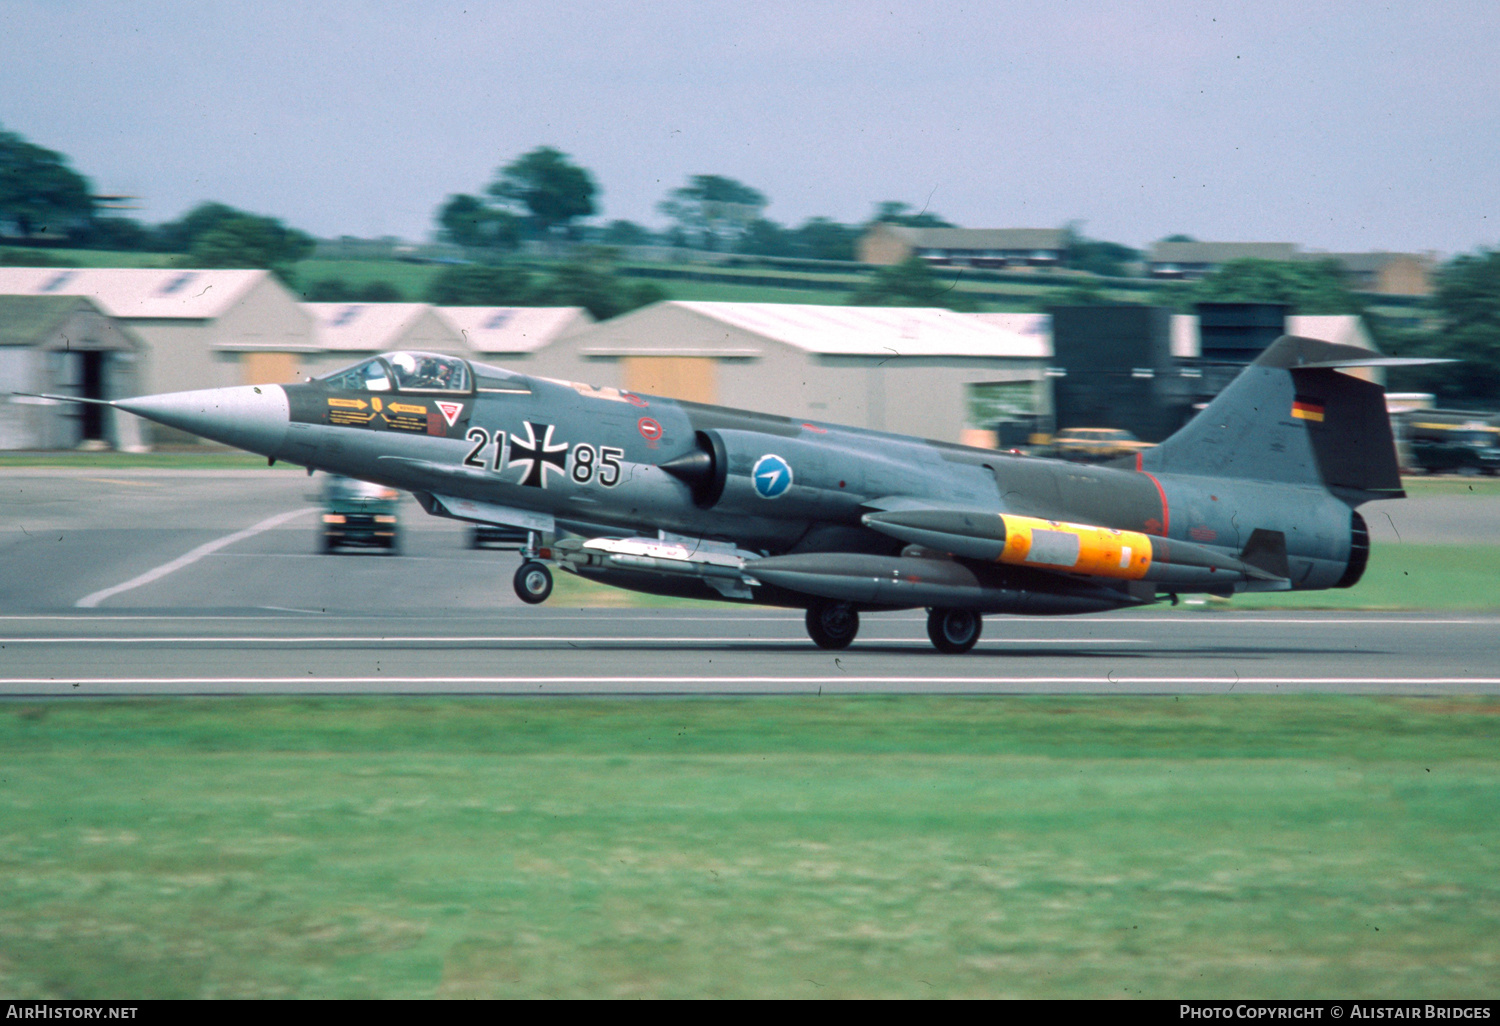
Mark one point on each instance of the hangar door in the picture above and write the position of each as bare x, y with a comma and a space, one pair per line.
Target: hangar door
1008, 409
268, 368
694, 378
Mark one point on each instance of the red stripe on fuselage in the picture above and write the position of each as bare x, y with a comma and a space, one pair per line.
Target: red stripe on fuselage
1166, 512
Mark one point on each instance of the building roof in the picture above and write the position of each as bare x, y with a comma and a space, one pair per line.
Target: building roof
980, 238
514, 329
1220, 252
1346, 329
1038, 325
137, 292
875, 330
26, 320
1369, 263
363, 327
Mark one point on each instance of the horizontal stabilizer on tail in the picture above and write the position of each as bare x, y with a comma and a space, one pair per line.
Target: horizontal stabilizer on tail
1295, 351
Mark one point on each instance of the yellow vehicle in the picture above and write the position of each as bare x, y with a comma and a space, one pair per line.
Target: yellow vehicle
1094, 445
1453, 442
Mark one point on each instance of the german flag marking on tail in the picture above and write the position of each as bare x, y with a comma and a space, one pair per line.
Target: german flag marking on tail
1307, 409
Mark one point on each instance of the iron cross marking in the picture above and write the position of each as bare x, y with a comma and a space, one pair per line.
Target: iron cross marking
538, 457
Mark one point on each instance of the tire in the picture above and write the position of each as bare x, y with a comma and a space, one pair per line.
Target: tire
832, 625
533, 582
327, 544
393, 545
954, 631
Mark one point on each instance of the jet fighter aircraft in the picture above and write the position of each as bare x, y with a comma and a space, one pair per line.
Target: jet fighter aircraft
1257, 493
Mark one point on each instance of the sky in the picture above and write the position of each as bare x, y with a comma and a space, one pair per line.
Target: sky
1342, 126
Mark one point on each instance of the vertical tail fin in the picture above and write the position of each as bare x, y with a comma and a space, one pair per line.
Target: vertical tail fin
1292, 417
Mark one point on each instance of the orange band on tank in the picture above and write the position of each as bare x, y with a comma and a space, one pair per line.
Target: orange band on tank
1096, 551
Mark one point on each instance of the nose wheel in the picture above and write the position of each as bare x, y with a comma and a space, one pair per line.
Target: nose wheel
832, 625
953, 631
533, 582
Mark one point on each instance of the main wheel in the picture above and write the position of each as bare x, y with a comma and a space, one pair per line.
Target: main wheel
533, 582
953, 631
832, 624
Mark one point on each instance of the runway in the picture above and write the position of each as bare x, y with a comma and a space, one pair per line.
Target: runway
207, 583
669, 652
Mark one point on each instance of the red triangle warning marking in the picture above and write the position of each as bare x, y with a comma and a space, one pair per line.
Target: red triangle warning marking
450, 411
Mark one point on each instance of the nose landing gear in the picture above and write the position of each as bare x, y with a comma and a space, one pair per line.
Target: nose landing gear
533, 582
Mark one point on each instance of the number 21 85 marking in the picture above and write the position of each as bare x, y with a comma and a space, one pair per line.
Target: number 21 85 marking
589, 461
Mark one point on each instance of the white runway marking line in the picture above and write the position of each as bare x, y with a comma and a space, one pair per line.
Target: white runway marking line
616, 615
285, 639
188, 558
692, 681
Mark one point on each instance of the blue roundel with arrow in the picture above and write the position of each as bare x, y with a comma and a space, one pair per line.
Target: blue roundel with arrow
772, 476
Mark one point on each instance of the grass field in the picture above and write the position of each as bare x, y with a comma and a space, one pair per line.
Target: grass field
917, 847
1439, 577
411, 280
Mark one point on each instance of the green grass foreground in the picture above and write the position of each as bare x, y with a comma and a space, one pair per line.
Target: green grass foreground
1402, 576
1295, 846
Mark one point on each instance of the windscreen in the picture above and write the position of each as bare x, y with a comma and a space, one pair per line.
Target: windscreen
371, 376
428, 372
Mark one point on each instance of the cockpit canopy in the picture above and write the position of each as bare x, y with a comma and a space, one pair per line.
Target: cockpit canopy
404, 372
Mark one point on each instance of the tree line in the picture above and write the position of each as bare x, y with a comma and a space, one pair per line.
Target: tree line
544, 197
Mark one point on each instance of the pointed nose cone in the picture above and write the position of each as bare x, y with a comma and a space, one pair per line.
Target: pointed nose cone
252, 417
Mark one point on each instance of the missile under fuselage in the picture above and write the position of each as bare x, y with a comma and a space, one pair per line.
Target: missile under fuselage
1074, 548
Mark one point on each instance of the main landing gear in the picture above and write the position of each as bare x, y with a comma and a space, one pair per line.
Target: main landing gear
832, 625
953, 631
533, 582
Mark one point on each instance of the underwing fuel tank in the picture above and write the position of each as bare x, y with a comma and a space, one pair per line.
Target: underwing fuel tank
1074, 548
902, 582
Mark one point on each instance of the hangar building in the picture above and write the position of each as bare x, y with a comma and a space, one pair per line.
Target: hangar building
64, 345
1148, 370
926, 372
348, 332
198, 328
517, 337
